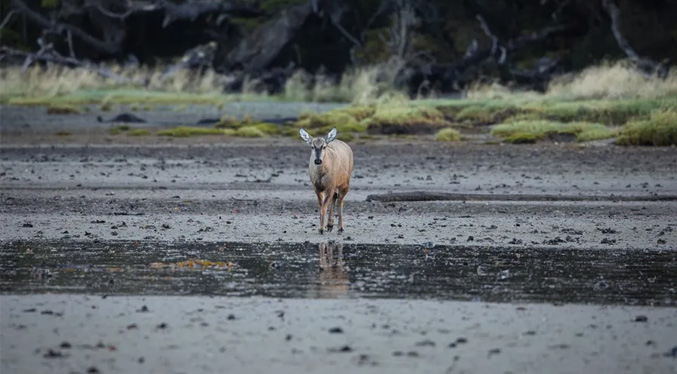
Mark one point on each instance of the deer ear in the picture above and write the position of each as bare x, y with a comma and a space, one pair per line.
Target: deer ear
305, 136
332, 135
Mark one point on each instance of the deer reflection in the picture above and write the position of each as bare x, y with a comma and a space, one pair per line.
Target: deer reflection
334, 280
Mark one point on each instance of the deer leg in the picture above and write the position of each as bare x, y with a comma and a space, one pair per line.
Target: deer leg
341, 196
320, 200
323, 210
332, 202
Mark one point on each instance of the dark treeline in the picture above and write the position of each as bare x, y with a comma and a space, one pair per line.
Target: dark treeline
434, 44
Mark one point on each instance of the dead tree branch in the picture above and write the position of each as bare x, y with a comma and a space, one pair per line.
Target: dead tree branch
21, 7
487, 32
644, 64
110, 14
6, 19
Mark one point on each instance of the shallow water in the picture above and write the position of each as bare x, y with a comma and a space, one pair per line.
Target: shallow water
329, 270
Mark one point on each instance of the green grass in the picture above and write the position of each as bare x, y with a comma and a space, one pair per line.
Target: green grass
521, 138
346, 120
186, 131
405, 119
659, 130
528, 131
478, 112
250, 132
448, 135
138, 132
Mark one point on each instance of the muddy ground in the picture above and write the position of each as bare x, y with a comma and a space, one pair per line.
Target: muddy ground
548, 257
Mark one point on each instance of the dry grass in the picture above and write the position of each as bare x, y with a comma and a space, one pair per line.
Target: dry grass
608, 81
58, 80
39, 86
365, 85
612, 81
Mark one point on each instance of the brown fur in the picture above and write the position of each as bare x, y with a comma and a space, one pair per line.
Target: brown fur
331, 179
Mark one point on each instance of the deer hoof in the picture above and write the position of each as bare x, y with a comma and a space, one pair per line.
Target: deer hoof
321, 231
330, 227
340, 230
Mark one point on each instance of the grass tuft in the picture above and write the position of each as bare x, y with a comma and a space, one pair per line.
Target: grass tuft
346, 120
398, 119
659, 130
138, 132
521, 138
250, 132
119, 129
448, 135
62, 109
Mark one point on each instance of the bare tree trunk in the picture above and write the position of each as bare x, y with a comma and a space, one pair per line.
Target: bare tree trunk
644, 64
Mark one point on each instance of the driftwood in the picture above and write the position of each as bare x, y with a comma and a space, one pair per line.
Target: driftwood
442, 196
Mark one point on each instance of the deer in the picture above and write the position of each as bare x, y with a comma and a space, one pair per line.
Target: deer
330, 166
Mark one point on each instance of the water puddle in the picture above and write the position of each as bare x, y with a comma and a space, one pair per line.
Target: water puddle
331, 270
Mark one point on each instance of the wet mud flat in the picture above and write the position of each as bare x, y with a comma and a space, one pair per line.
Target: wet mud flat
338, 270
192, 257
186, 334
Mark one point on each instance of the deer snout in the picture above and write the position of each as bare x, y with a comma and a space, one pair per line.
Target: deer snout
318, 161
